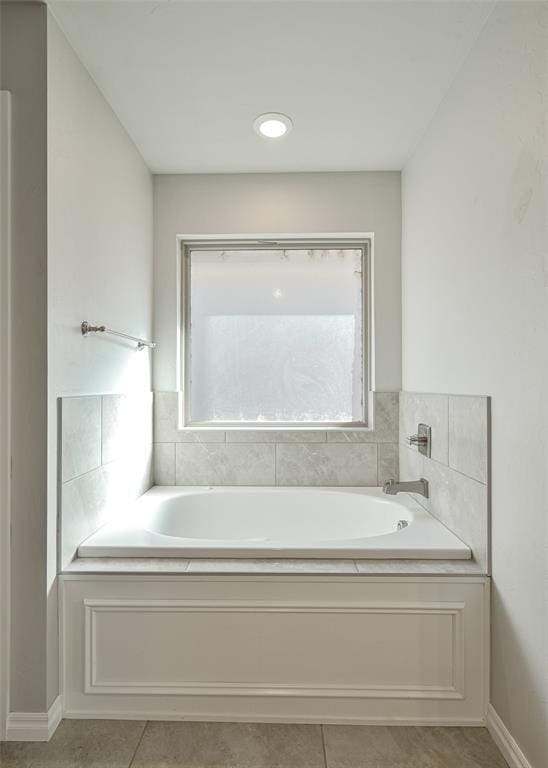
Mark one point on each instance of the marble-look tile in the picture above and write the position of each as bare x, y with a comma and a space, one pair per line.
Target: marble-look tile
458, 501
433, 410
80, 435
127, 565
164, 463
166, 423
86, 504
78, 744
272, 566
227, 745
412, 466
200, 436
126, 424
385, 423
358, 746
386, 416
462, 504
275, 436
388, 462
226, 464
328, 464
267, 566
120, 428
419, 567
132, 474
166, 417
135, 470
468, 436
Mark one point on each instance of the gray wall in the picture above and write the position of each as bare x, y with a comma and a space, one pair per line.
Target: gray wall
99, 262
84, 229
23, 72
475, 321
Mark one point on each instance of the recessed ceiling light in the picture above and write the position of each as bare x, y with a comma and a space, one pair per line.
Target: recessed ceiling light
272, 125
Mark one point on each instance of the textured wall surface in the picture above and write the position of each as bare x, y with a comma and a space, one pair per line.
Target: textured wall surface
99, 198
474, 321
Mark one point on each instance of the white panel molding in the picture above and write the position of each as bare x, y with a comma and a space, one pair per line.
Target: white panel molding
505, 741
93, 684
251, 716
35, 726
294, 649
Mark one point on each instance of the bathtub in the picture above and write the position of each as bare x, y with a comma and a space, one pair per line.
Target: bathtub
274, 522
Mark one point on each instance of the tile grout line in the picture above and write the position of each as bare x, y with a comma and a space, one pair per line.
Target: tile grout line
446, 466
448, 463
323, 746
175, 463
448, 428
138, 744
101, 429
87, 472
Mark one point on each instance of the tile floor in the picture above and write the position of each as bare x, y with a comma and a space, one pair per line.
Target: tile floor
136, 744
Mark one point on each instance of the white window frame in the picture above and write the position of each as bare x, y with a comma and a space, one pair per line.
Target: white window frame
363, 241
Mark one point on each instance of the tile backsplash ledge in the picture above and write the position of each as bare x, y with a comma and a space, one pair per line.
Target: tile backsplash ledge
105, 462
114, 447
275, 457
458, 469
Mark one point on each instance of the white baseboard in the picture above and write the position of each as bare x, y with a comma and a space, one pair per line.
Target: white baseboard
505, 741
34, 726
252, 717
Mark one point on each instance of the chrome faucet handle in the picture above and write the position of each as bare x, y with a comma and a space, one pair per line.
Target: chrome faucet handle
422, 439
417, 440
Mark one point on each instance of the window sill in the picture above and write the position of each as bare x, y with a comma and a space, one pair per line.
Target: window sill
276, 428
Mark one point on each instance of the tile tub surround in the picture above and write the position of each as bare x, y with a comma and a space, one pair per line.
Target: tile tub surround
458, 470
105, 444
287, 566
275, 457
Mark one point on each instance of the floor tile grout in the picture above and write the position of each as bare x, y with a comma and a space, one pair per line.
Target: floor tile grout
138, 743
323, 745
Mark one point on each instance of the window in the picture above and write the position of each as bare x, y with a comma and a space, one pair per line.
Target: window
275, 335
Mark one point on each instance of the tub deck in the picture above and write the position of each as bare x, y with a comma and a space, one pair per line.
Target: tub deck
275, 523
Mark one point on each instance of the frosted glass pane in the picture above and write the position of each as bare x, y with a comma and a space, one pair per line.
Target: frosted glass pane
276, 335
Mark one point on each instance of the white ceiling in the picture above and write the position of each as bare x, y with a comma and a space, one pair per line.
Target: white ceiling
361, 80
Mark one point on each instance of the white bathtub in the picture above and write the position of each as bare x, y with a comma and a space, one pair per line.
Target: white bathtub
274, 522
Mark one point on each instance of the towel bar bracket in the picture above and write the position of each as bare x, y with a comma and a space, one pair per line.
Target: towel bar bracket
86, 328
